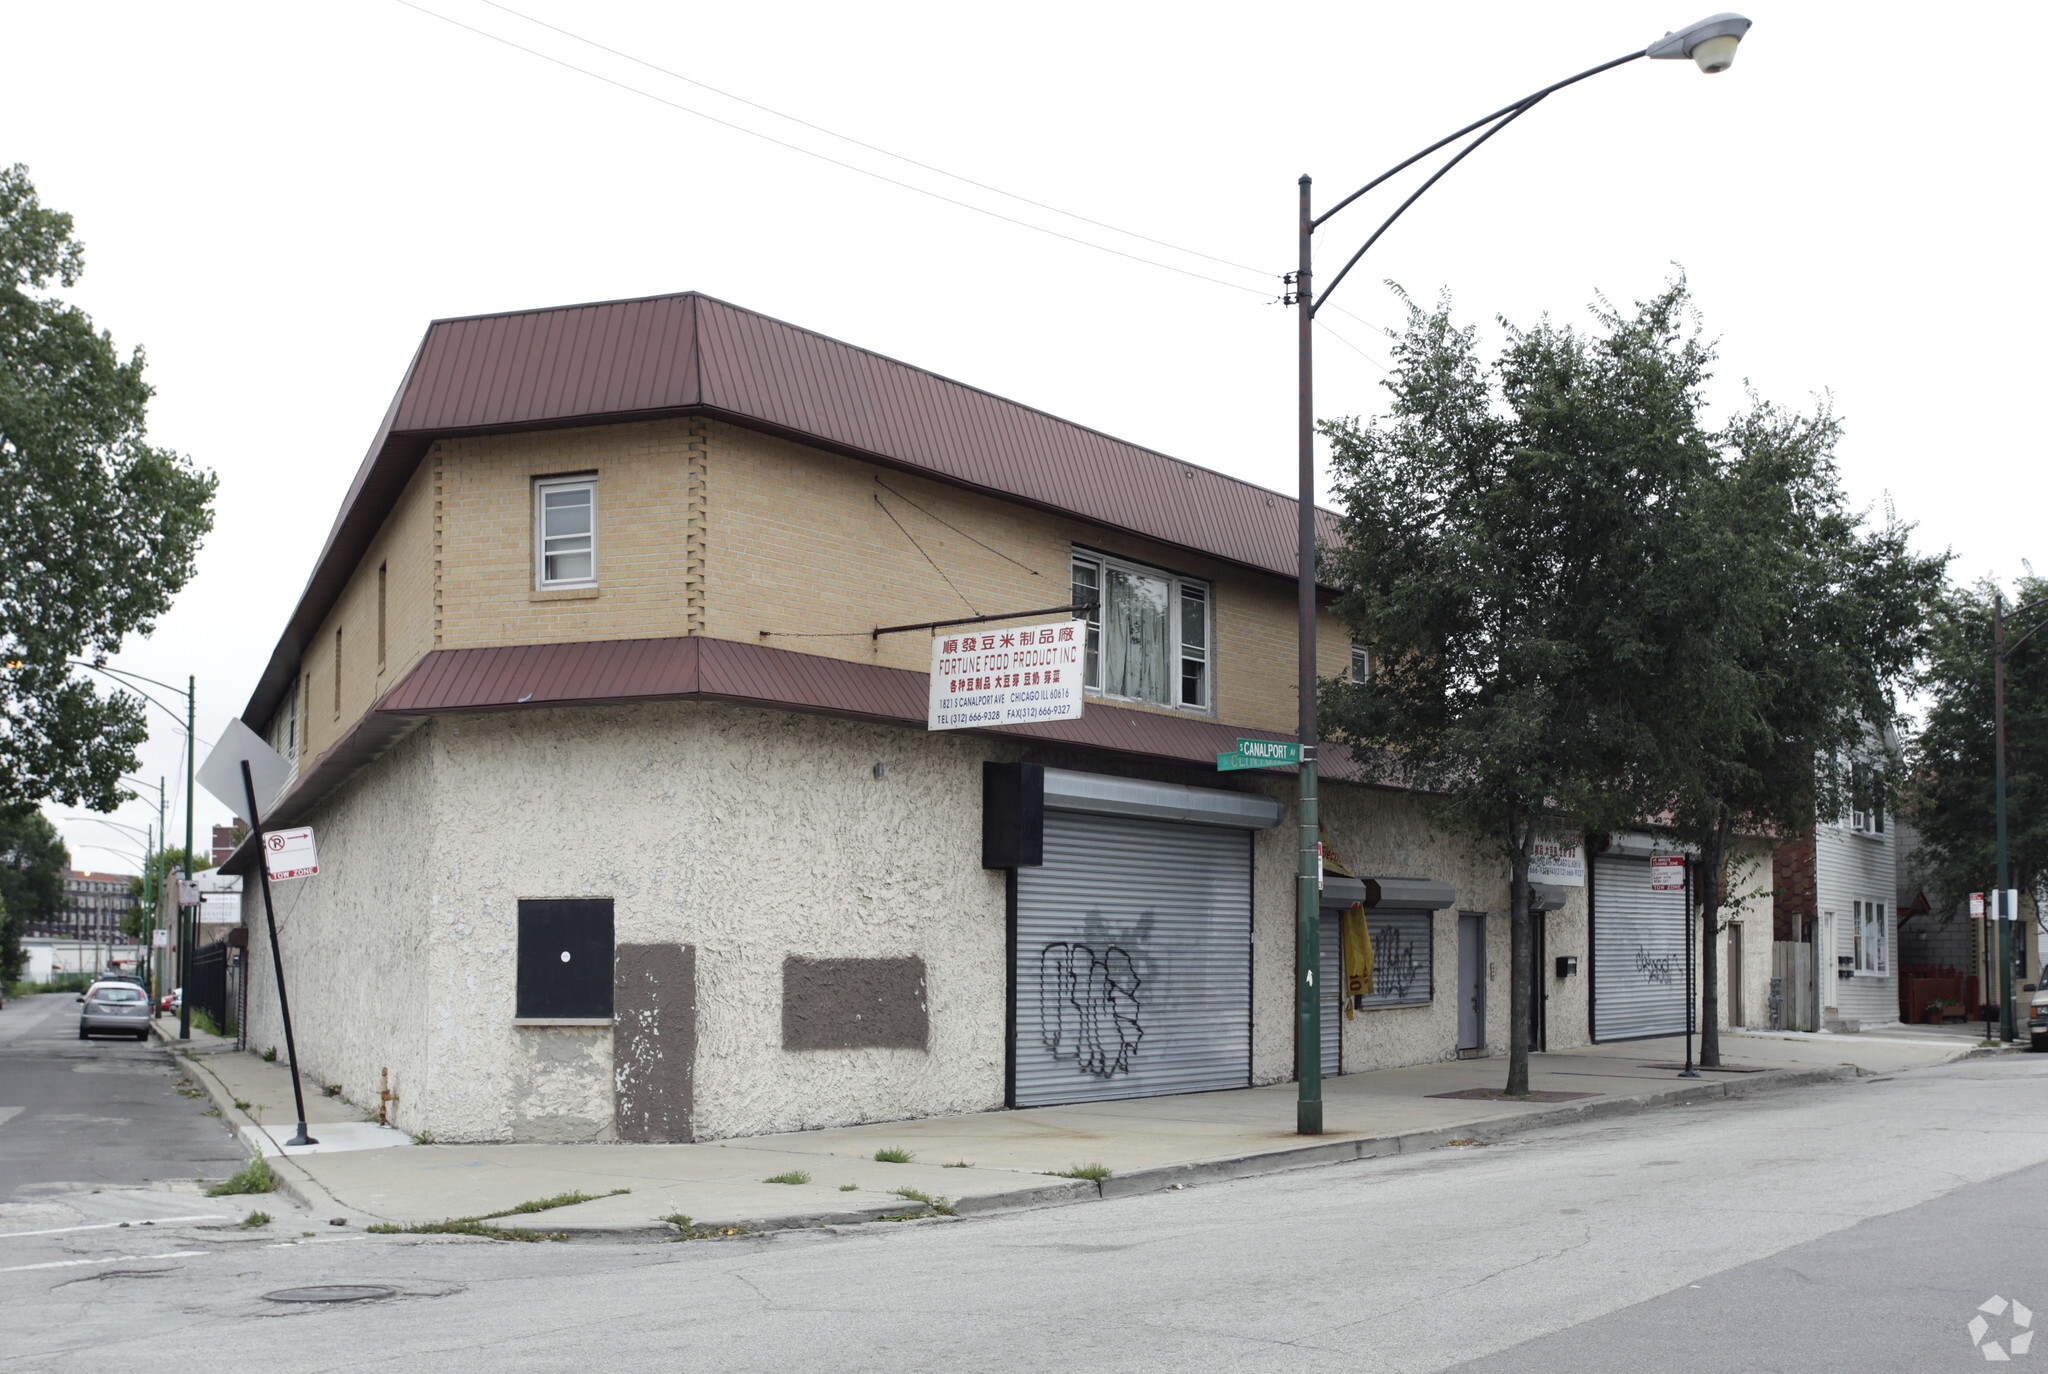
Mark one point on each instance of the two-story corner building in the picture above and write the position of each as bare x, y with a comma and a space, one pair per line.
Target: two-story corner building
630, 825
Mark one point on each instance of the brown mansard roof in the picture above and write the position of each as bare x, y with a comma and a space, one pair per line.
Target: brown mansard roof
695, 668
691, 354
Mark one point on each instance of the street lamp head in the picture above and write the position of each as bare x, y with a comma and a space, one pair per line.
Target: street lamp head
1710, 42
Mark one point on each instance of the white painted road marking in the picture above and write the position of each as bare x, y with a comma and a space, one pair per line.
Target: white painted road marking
104, 1259
110, 1225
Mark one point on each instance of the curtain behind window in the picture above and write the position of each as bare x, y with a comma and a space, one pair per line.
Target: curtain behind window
1134, 628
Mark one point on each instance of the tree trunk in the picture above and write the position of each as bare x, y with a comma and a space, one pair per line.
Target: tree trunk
1518, 975
1713, 854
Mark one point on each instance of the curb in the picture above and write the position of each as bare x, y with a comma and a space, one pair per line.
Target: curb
1161, 1177
292, 1180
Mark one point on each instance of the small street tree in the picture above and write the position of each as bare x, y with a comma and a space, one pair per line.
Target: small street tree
32, 864
1511, 551
100, 527
1950, 794
1792, 664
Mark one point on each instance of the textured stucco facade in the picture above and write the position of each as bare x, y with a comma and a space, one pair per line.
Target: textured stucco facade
751, 837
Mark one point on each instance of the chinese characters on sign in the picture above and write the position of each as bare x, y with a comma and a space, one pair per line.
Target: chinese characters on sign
1007, 677
1557, 861
1667, 873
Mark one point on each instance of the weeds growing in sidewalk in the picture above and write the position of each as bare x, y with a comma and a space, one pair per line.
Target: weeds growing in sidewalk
240, 1105
890, 1154
957, 1164
480, 1225
848, 1187
465, 1226
1094, 1172
331, 1089
422, 1137
937, 1204
270, 1055
255, 1219
793, 1176
691, 1231
254, 1177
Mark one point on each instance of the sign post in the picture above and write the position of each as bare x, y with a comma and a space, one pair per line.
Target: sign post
233, 772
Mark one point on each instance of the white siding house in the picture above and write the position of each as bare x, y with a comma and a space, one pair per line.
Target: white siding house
1855, 891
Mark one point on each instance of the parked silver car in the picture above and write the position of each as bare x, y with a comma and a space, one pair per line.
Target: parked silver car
114, 1008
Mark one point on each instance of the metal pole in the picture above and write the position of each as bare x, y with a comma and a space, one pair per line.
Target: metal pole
186, 925
1308, 1002
2006, 1029
284, 1006
1688, 1071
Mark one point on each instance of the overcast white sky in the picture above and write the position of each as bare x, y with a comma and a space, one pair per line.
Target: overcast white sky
276, 199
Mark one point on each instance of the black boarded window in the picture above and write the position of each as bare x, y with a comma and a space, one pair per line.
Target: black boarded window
565, 959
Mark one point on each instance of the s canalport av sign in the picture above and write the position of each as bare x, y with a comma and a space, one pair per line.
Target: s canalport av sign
1016, 676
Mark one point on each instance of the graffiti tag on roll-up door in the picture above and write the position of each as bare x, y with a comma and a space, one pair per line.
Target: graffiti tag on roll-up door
1655, 968
1396, 963
1090, 1006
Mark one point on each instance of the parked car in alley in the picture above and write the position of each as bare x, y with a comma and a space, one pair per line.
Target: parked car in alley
114, 1008
2037, 1022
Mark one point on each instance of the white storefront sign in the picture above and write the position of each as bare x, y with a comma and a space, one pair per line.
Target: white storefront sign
290, 854
1558, 862
1667, 873
1007, 677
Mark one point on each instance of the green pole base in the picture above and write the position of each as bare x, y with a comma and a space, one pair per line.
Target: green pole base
1308, 1117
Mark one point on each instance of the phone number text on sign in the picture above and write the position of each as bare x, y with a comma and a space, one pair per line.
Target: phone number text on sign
1007, 677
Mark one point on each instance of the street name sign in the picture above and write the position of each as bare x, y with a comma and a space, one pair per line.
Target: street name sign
1667, 873
290, 853
1260, 753
1019, 676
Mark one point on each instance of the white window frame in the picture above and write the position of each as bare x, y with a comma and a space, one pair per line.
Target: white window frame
1178, 651
1870, 924
1856, 820
1361, 663
541, 487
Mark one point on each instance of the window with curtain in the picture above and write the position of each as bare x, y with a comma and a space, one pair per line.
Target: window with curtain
1150, 634
565, 533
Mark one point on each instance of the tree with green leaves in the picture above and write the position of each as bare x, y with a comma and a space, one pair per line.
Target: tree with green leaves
1790, 670
32, 864
1510, 547
1950, 796
101, 528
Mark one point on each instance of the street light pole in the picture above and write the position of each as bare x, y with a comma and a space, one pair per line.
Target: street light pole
188, 926
1711, 43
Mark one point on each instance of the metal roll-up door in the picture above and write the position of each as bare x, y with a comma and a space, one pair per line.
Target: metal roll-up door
1133, 960
1638, 953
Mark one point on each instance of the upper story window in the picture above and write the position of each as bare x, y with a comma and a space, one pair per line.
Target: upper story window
565, 532
1361, 663
1866, 800
1150, 634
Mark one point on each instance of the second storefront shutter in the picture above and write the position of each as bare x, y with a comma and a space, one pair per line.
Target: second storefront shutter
1638, 953
1133, 959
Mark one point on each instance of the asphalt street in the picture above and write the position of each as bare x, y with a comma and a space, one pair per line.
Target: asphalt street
1854, 1226
93, 1113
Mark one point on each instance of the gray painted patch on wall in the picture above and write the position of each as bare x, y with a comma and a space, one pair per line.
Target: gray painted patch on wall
654, 1041
850, 1004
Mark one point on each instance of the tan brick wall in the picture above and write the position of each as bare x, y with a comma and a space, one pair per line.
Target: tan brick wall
705, 528
404, 549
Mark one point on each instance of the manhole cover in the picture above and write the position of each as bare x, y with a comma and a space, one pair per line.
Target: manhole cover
333, 1292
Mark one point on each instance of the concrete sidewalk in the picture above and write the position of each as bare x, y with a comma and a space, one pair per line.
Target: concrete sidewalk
992, 1160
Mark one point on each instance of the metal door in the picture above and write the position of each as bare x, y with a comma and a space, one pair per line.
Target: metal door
1638, 953
1735, 1017
1471, 980
1133, 961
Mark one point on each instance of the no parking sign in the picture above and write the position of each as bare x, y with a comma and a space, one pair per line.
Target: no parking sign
290, 854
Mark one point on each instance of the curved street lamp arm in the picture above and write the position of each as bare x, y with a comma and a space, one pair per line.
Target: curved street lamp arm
2006, 652
1388, 223
119, 682
1514, 107
123, 672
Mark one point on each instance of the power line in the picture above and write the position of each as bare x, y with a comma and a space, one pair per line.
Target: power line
823, 157
927, 557
872, 147
955, 528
